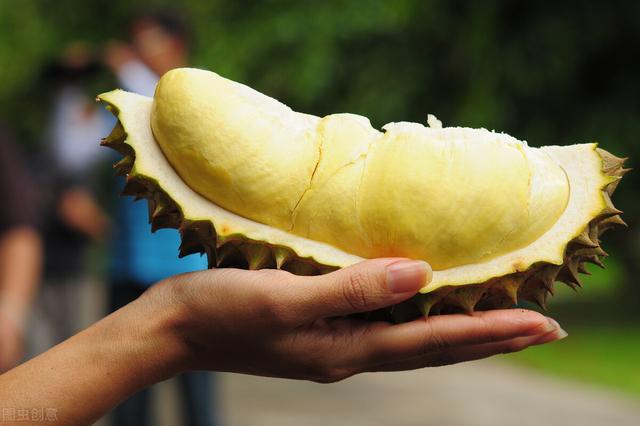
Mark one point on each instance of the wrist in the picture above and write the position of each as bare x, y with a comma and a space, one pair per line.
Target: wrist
153, 329
101, 366
139, 344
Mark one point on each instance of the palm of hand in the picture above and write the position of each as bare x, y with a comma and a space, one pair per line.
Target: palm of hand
273, 323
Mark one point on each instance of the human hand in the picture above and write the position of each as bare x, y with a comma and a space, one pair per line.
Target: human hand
273, 323
78, 209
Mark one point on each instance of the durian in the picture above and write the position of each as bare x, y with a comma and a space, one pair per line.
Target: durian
253, 184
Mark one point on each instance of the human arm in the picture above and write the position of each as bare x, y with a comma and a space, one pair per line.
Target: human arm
268, 323
20, 262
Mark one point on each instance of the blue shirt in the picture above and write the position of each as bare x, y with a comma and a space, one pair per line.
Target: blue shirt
142, 256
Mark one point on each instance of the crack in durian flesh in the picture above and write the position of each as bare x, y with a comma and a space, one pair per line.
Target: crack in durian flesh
451, 196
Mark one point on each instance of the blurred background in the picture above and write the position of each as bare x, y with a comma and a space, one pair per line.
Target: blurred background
545, 72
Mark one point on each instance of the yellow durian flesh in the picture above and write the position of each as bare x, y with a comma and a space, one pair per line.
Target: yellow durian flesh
256, 165
249, 181
450, 196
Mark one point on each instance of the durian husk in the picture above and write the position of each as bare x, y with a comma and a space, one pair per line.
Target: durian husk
222, 249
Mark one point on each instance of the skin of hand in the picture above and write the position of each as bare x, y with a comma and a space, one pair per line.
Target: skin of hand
79, 210
268, 323
283, 325
20, 263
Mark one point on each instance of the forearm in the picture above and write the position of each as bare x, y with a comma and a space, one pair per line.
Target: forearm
84, 377
20, 264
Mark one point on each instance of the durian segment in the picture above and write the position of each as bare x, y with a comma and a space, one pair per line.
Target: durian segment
257, 165
583, 167
454, 196
525, 273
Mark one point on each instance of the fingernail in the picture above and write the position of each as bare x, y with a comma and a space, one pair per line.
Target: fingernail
552, 325
408, 276
553, 336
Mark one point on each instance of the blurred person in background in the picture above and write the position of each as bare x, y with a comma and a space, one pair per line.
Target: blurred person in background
140, 258
20, 253
73, 217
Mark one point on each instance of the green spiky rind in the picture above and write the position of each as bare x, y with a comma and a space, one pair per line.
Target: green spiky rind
235, 250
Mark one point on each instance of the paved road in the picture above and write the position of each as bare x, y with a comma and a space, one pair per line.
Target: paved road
486, 393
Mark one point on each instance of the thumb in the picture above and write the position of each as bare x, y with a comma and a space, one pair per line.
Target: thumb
366, 286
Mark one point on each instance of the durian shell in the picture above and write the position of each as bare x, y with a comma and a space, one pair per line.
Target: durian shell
226, 248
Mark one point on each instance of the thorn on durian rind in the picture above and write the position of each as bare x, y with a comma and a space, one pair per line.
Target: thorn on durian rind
593, 259
123, 166
134, 187
194, 236
614, 220
467, 297
540, 298
600, 252
621, 172
584, 239
258, 256
589, 252
582, 269
534, 290
189, 247
501, 293
611, 187
569, 274
609, 209
425, 302
510, 286
164, 217
212, 256
609, 223
610, 163
116, 138
594, 232
548, 275
226, 254
222, 240
282, 255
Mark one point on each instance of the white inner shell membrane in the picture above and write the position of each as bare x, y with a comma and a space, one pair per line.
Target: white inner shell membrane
581, 164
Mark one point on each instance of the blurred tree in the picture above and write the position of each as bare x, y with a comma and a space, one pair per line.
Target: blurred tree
547, 72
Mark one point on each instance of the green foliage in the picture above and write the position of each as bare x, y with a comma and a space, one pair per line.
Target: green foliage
547, 72
603, 355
